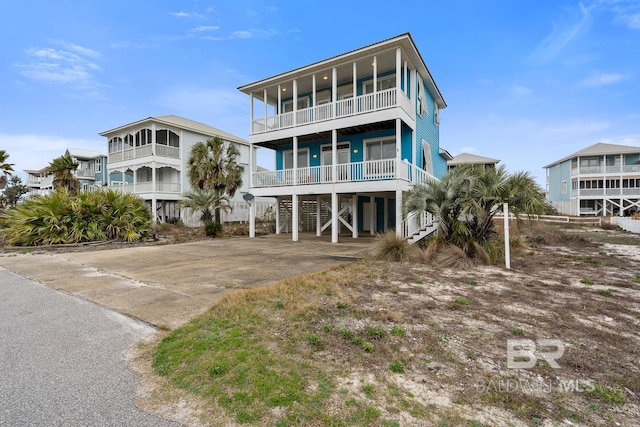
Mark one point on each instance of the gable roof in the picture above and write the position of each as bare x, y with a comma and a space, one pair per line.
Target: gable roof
403, 40
181, 122
85, 154
471, 158
599, 149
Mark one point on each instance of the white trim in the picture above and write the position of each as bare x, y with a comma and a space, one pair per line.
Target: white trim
563, 187
436, 113
379, 80
290, 102
381, 139
339, 149
426, 148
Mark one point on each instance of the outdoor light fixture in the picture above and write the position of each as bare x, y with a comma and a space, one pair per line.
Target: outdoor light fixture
355, 151
325, 77
284, 89
315, 156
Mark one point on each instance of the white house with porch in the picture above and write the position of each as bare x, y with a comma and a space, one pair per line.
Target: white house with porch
603, 179
351, 135
149, 158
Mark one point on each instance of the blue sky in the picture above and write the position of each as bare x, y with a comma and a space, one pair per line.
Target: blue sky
527, 82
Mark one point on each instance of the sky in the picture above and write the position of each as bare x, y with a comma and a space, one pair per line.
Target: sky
527, 82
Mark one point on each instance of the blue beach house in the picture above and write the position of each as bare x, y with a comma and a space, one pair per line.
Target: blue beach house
351, 134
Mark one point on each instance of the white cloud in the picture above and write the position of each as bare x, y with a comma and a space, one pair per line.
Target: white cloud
71, 64
562, 35
30, 151
602, 79
192, 15
246, 34
468, 150
521, 90
201, 28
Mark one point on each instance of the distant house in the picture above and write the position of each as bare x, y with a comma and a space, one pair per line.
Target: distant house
91, 172
603, 179
466, 158
351, 134
149, 158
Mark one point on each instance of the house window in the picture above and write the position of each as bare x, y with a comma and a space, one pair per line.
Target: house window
383, 83
564, 187
303, 159
115, 144
436, 113
422, 102
167, 137
381, 149
427, 162
98, 165
128, 141
303, 103
143, 137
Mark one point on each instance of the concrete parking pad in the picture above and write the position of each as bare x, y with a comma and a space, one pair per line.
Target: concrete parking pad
166, 285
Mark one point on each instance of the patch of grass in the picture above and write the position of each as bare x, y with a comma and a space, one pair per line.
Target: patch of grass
279, 304
591, 261
462, 301
517, 331
474, 423
377, 333
390, 247
372, 276
605, 292
328, 328
398, 331
390, 423
342, 305
313, 339
610, 396
346, 334
472, 282
394, 291
397, 367
368, 347
587, 281
420, 282
368, 391
636, 279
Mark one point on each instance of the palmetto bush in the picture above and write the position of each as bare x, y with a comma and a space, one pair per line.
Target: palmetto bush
60, 218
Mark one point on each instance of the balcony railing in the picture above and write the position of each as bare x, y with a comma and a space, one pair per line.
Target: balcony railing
147, 187
85, 173
343, 108
587, 192
347, 172
596, 170
144, 151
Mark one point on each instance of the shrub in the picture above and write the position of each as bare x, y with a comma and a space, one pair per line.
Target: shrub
61, 218
397, 367
213, 229
390, 247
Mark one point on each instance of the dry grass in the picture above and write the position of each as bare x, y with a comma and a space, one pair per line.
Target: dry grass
448, 367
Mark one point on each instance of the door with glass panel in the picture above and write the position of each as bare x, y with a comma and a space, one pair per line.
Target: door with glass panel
343, 157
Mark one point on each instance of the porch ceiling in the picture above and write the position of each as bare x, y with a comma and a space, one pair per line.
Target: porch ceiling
353, 130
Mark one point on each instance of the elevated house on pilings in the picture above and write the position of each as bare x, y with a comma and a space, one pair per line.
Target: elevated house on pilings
351, 135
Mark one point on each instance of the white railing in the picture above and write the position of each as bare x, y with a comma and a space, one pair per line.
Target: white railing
415, 223
374, 170
606, 192
631, 191
167, 187
166, 151
115, 157
128, 154
553, 218
631, 168
147, 187
143, 151
594, 170
85, 173
346, 107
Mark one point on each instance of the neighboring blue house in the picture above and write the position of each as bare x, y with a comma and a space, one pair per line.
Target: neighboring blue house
351, 135
603, 179
92, 169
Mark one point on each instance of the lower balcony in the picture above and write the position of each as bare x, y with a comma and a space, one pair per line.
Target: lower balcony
605, 192
148, 187
376, 170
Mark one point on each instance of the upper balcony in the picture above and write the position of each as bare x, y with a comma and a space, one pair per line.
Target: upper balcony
144, 143
362, 104
605, 169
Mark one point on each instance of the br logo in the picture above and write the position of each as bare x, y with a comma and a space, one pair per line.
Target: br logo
523, 354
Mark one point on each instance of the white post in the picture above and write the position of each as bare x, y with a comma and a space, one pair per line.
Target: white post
354, 215
405, 78
279, 106
277, 215
334, 217
398, 72
507, 254
375, 82
252, 219
318, 219
251, 113
334, 155
355, 85
295, 160
399, 213
295, 101
386, 214
264, 97
313, 90
294, 217
372, 213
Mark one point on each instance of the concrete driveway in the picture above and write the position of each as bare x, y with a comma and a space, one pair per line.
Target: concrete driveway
167, 285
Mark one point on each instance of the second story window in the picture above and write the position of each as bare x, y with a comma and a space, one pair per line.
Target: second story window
383, 83
98, 165
303, 103
303, 159
382, 149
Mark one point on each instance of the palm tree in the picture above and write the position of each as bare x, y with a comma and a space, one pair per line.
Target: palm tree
466, 200
205, 201
62, 169
213, 165
5, 169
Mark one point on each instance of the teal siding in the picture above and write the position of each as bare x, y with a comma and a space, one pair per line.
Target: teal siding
427, 129
558, 173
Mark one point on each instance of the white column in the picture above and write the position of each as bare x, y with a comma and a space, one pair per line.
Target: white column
334, 155
154, 209
386, 214
264, 97
414, 150
398, 70
279, 106
507, 255
334, 217
399, 213
295, 101
252, 219
153, 139
334, 85
295, 160
313, 90
252, 165
372, 216
375, 82
318, 219
153, 177
251, 113
277, 215
294, 217
406, 80
414, 87
354, 215
133, 170
355, 84
398, 147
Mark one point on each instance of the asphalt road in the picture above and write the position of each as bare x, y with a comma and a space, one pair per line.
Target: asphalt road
63, 360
